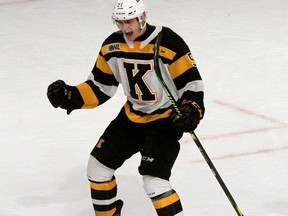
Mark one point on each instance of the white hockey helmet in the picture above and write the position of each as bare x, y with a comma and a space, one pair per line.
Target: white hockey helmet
129, 9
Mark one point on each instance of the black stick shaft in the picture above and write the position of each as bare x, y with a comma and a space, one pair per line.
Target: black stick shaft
193, 135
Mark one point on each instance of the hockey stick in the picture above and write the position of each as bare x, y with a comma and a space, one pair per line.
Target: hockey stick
193, 135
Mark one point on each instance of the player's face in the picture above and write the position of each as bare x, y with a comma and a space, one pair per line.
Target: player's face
130, 28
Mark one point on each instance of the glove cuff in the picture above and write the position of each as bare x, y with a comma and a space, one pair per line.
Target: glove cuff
195, 105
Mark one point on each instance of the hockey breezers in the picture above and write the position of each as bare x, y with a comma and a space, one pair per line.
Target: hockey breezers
193, 135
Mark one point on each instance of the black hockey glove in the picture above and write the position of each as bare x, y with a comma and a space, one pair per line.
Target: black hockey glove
59, 95
189, 118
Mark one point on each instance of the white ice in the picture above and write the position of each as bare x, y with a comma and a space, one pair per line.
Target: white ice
241, 48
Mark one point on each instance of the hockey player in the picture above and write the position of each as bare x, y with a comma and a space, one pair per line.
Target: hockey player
146, 123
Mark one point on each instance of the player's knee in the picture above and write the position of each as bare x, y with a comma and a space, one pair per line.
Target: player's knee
155, 186
97, 171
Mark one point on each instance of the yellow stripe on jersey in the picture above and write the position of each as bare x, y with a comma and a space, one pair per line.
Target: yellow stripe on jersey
148, 49
105, 213
89, 98
103, 66
166, 53
137, 44
180, 66
103, 186
123, 47
162, 203
147, 118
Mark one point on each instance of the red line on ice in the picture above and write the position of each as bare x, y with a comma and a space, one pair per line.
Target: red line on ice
248, 112
239, 133
261, 151
280, 125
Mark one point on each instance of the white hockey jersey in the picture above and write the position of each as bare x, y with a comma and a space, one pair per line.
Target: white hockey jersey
130, 64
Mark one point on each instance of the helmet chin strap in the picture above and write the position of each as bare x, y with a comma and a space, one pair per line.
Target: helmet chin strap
143, 23
143, 27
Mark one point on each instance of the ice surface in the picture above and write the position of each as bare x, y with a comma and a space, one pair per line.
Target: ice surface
241, 48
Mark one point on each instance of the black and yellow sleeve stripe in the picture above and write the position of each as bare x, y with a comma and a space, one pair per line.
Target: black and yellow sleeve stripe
91, 95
